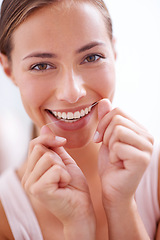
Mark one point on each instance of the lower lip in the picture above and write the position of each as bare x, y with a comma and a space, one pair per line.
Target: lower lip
71, 126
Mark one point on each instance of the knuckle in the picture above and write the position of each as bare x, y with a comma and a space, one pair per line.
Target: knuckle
26, 186
117, 119
52, 158
118, 111
150, 148
118, 130
34, 191
115, 147
31, 144
151, 139
58, 168
49, 156
145, 158
39, 148
31, 189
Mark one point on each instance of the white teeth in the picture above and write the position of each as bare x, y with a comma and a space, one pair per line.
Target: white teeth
64, 115
86, 110
77, 114
55, 114
82, 113
59, 115
69, 116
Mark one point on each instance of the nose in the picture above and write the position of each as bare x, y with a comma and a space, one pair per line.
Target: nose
70, 88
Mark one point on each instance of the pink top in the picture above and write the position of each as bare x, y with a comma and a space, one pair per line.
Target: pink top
24, 224
147, 194
20, 215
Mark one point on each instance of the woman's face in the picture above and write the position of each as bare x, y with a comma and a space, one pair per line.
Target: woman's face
63, 62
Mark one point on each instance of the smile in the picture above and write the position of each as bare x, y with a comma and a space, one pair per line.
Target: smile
72, 116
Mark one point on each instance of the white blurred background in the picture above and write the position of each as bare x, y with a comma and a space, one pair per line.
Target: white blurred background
136, 25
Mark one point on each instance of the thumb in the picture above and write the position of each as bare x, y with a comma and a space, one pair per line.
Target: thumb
104, 107
45, 130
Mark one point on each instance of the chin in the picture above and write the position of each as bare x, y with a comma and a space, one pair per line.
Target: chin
74, 145
78, 140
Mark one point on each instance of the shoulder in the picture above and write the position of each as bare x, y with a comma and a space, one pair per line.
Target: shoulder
5, 231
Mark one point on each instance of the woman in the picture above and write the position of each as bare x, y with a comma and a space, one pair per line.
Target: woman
86, 160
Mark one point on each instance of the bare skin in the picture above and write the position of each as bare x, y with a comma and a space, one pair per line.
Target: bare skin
82, 185
51, 221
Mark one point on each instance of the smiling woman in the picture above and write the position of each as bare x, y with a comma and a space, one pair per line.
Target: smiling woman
67, 74
86, 159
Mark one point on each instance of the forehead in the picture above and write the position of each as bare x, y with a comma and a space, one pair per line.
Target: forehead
59, 24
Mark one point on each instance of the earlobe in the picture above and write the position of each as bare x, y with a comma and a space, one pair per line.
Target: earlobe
5, 64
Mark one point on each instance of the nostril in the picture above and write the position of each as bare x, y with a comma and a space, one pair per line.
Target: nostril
70, 92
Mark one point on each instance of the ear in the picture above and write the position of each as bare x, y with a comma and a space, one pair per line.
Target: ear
7, 68
114, 48
6, 65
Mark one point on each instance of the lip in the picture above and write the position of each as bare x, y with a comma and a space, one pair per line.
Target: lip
72, 109
71, 126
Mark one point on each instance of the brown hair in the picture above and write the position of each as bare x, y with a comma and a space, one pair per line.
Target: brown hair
14, 12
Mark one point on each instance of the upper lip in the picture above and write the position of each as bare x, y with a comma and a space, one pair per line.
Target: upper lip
72, 109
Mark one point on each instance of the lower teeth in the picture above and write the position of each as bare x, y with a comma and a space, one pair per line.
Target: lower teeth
69, 120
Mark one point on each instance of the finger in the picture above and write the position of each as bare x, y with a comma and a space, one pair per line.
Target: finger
119, 120
53, 179
104, 107
133, 158
45, 130
48, 139
34, 157
66, 158
59, 149
114, 159
118, 117
33, 173
127, 136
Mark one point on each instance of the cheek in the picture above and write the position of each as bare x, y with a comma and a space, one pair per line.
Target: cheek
103, 83
33, 93
33, 98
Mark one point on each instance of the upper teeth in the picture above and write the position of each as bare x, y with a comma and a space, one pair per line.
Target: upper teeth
71, 115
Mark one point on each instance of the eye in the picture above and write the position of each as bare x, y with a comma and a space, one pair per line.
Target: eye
42, 67
92, 58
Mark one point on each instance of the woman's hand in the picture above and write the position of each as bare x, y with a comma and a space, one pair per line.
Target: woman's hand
54, 178
124, 155
123, 158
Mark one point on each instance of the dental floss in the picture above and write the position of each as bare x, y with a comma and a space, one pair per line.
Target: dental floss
94, 104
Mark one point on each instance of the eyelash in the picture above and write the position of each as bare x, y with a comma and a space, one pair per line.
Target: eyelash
49, 66
99, 56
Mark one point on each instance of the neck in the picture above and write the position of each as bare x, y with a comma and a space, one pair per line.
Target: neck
86, 158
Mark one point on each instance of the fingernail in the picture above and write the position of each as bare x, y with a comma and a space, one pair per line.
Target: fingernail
96, 136
60, 139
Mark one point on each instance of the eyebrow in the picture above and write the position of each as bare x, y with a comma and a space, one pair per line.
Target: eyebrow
52, 55
89, 46
40, 55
